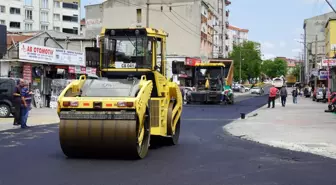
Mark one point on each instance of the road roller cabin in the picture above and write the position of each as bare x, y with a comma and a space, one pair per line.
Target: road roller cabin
132, 106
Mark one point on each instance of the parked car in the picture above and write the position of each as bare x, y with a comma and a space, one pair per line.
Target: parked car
236, 87
257, 90
318, 94
7, 87
244, 88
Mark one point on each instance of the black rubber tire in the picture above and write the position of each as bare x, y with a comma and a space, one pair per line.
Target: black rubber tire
6, 109
174, 139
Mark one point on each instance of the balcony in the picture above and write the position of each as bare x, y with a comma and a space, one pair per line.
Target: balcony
226, 36
226, 48
227, 13
227, 2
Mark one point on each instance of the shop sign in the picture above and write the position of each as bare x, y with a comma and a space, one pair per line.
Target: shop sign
332, 62
51, 55
192, 61
27, 72
81, 70
323, 75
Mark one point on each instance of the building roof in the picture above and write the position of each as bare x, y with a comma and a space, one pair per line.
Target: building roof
238, 29
14, 38
32, 35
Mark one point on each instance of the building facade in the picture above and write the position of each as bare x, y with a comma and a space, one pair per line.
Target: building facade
34, 15
236, 36
200, 23
330, 52
314, 44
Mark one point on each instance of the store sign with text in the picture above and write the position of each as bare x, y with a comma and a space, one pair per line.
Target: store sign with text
323, 75
82, 70
332, 62
27, 72
50, 55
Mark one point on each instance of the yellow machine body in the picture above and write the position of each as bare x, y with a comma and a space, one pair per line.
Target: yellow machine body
128, 109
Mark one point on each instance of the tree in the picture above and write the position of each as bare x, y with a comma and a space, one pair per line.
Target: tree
249, 58
274, 68
296, 71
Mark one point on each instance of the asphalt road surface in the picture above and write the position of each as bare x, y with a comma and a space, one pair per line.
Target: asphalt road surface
205, 156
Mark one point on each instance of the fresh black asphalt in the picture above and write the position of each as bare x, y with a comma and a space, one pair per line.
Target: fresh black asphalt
206, 155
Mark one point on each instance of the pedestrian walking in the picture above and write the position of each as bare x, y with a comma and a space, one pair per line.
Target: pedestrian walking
283, 95
26, 105
272, 94
17, 102
295, 93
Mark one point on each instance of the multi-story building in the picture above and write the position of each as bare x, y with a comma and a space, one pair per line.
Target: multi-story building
196, 28
314, 44
34, 15
236, 36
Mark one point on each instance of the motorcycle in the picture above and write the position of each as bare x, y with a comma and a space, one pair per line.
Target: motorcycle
332, 105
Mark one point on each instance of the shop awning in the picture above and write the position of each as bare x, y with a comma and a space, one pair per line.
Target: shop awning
21, 60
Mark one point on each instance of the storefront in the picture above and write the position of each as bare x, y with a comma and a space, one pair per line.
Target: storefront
40, 65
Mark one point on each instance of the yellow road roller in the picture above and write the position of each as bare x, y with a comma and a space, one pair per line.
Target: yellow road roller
130, 105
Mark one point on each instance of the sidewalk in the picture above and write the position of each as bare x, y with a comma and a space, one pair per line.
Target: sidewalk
301, 127
42, 116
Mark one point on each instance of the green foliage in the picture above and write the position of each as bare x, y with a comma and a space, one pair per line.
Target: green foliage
296, 71
274, 68
249, 58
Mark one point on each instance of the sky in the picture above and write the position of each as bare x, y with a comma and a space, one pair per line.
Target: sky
277, 25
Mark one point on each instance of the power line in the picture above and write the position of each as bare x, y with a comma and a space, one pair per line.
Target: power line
178, 25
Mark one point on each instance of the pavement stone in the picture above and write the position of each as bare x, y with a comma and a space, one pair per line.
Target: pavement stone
37, 116
301, 127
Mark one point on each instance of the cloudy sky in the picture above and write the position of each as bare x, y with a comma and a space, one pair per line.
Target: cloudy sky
277, 25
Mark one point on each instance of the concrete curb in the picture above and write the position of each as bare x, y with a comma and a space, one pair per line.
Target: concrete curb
293, 134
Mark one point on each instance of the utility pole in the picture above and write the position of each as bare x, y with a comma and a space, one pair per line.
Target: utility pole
147, 16
240, 59
315, 61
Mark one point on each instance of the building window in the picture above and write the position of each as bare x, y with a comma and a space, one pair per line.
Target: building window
70, 6
28, 2
57, 29
44, 3
57, 17
3, 22
44, 27
44, 16
138, 12
15, 11
71, 31
2, 9
70, 18
15, 25
28, 27
29, 14
57, 4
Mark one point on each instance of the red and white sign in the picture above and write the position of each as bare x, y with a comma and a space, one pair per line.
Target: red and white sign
50, 55
192, 61
27, 72
332, 62
82, 70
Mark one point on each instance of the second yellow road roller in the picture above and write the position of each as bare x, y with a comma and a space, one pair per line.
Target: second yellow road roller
130, 104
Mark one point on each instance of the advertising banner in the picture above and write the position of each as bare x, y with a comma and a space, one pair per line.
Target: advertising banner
323, 75
50, 55
82, 70
332, 62
27, 72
